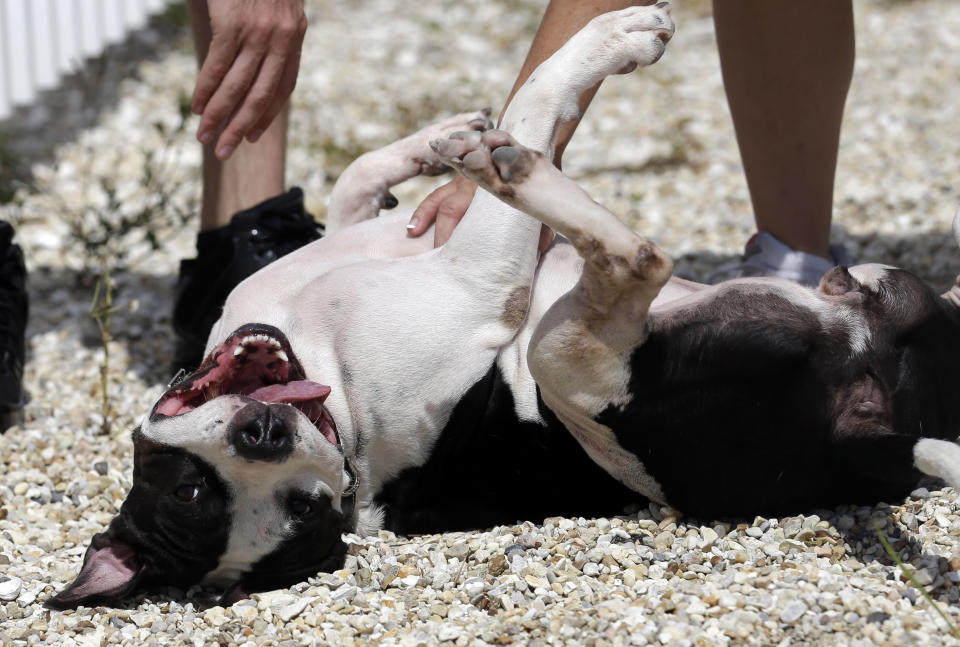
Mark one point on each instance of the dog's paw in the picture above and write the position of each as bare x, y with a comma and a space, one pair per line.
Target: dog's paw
429, 163
492, 159
620, 41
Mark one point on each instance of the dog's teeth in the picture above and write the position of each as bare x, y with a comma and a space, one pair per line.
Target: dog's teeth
282, 355
267, 340
239, 350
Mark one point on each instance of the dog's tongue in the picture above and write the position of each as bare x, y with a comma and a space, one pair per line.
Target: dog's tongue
291, 392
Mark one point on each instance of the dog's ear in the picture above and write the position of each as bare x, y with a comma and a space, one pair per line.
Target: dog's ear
111, 570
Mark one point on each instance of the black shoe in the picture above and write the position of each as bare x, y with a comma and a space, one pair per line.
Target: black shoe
227, 255
13, 323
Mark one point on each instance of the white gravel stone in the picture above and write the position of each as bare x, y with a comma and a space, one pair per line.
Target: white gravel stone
793, 611
10, 588
657, 148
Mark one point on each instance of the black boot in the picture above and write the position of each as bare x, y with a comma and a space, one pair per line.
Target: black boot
13, 322
227, 255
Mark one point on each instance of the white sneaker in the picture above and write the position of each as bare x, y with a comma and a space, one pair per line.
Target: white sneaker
765, 255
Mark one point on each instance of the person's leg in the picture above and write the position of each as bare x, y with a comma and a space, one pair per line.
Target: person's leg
255, 171
246, 221
787, 67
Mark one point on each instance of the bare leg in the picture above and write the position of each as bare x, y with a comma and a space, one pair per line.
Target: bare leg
787, 67
254, 172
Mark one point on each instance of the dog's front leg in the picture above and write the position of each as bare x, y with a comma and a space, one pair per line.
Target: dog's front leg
363, 189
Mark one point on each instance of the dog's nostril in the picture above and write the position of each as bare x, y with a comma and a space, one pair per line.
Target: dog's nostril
278, 433
258, 434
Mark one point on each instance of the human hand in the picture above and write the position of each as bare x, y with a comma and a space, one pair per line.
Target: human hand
250, 69
446, 205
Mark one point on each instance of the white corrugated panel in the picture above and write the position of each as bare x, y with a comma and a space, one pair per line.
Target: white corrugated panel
5, 105
17, 64
67, 28
114, 30
90, 19
135, 14
41, 40
43, 45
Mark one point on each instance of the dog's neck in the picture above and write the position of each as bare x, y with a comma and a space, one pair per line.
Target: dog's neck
355, 496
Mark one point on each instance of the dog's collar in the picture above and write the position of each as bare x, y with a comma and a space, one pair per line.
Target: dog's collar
348, 499
354, 482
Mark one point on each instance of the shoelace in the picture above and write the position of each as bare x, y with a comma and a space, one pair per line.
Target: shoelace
279, 231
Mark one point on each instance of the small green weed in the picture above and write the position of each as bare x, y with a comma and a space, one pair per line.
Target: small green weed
913, 580
102, 309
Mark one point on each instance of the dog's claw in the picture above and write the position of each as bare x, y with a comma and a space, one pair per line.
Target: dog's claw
389, 201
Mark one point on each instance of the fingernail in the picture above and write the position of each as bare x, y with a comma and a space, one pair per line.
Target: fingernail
413, 223
205, 136
224, 151
254, 136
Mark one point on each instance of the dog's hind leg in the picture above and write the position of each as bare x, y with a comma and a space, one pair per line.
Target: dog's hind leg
363, 189
580, 351
940, 458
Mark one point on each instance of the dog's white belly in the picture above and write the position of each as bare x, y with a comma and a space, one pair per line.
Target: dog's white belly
282, 282
353, 310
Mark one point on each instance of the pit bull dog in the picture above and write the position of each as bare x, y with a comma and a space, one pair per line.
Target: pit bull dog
369, 381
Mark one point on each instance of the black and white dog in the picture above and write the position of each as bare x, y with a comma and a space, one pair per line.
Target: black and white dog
368, 380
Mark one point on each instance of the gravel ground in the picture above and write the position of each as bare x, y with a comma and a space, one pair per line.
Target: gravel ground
657, 148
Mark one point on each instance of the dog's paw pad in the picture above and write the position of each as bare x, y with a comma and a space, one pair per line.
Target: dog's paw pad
507, 159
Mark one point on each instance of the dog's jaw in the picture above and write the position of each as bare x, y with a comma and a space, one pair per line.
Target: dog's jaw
257, 362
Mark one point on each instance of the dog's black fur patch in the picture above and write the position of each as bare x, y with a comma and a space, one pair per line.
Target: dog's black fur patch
489, 468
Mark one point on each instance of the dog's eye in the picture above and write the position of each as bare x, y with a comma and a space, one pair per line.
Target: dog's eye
299, 506
187, 493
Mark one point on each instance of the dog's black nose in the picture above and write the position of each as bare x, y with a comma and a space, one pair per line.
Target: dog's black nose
259, 433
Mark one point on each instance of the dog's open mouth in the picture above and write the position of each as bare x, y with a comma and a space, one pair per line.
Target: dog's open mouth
255, 361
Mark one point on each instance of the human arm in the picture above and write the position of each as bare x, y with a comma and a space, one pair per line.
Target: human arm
250, 53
